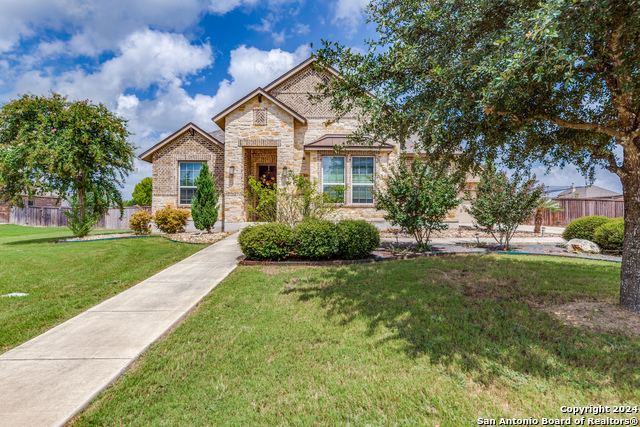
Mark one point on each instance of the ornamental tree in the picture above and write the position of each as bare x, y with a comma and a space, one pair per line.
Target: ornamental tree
204, 207
551, 81
417, 197
502, 203
72, 148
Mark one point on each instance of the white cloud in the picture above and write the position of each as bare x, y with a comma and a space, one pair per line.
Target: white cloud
301, 29
349, 13
223, 6
96, 25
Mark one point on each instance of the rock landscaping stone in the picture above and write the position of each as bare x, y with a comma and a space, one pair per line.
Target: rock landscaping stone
582, 246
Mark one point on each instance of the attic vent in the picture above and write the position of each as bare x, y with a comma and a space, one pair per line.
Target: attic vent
259, 117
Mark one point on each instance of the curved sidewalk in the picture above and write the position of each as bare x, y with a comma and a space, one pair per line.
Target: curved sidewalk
49, 379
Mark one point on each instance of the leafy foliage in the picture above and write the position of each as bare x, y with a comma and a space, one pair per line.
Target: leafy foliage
502, 204
584, 228
70, 148
262, 201
82, 218
204, 207
610, 235
171, 220
315, 239
143, 192
299, 199
357, 238
417, 197
269, 242
140, 222
552, 81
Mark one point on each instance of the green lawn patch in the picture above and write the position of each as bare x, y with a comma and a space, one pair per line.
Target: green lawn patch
431, 341
65, 279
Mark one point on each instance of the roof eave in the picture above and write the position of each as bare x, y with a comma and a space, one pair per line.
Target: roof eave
147, 156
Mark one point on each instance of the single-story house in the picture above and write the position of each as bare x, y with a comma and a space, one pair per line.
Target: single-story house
589, 192
269, 133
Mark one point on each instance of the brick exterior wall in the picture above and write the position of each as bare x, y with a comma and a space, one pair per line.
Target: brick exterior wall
186, 147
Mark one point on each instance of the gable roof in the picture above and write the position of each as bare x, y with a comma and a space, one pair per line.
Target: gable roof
147, 156
294, 70
219, 118
330, 141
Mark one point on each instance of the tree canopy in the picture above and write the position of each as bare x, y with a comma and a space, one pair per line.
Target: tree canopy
71, 148
143, 192
555, 81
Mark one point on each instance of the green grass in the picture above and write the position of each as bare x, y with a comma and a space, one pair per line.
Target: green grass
65, 279
432, 341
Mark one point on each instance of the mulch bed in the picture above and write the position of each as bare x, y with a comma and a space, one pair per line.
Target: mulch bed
459, 232
188, 237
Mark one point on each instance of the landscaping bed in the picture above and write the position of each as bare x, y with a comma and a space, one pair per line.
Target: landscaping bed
185, 237
460, 232
432, 341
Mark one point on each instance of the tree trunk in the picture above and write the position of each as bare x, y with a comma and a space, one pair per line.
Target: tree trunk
537, 222
630, 273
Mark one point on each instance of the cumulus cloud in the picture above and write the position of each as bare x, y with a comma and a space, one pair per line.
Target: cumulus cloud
349, 13
95, 25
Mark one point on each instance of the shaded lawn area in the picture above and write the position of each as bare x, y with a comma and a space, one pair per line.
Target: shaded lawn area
431, 341
65, 279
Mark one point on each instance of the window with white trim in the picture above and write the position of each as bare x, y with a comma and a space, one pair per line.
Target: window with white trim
333, 176
189, 171
362, 178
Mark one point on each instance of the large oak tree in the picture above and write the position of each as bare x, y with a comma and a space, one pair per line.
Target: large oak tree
524, 81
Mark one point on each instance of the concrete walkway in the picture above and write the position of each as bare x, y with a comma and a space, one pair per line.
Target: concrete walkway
462, 240
46, 381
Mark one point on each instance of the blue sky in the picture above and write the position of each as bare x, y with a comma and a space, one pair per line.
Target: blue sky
163, 63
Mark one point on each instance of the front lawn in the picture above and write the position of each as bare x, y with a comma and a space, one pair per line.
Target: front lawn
65, 279
432, 341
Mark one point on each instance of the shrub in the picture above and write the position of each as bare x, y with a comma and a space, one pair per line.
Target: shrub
266, 241
417, 196
583, 228
316, 239
140, 222
610, 235
357, 239
204, 207
171, 220
502, 203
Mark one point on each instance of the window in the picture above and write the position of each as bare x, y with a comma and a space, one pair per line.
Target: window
30, 203
188, 174
333, 177
362, 179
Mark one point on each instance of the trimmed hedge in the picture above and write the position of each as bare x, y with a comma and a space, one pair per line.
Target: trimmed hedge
583, 228
357, 238
266, 242
315, 239
610, 235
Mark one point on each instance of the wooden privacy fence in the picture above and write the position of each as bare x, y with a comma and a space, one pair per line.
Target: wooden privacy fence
577, 208
55, 217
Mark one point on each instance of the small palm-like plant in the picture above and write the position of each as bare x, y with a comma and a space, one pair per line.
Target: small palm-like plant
546, 204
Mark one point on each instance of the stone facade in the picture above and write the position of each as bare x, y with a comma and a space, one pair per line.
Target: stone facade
271, 126
186, 147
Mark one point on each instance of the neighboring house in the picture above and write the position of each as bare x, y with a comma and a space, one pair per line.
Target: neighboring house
44, 200
270, 132
589, 192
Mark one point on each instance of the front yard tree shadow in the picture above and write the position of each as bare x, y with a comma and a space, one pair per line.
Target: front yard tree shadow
481, 314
